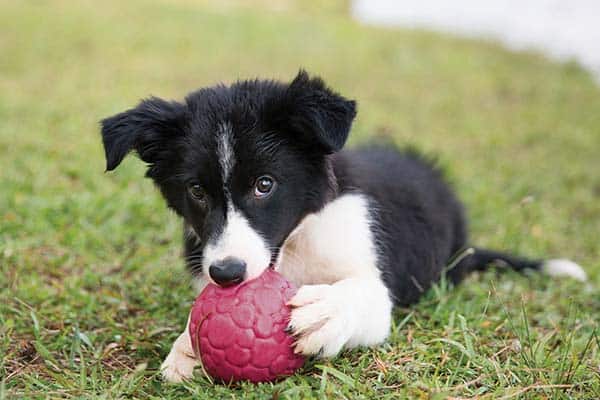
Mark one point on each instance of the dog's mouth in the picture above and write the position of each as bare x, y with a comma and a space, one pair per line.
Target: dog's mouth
275, 258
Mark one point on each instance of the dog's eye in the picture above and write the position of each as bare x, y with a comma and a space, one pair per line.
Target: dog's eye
263, 186
197, 192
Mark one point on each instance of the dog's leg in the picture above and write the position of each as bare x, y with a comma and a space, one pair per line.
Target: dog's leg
349, 313
180, 362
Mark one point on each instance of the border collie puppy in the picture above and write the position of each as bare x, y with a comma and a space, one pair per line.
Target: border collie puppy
256, 172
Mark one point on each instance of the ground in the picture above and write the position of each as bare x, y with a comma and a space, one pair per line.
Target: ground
92, 288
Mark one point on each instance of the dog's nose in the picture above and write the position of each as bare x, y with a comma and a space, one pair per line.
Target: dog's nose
228, 271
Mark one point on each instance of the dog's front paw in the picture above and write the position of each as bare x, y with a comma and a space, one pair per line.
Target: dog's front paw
179, 364
319, 320
178, 367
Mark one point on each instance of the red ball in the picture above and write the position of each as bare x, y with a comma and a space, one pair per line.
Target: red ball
239, 331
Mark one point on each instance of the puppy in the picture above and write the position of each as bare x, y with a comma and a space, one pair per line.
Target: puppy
257, 174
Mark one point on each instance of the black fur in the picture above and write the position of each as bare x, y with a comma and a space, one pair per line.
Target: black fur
294, 132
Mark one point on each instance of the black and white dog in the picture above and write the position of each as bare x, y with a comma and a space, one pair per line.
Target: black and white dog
256, 172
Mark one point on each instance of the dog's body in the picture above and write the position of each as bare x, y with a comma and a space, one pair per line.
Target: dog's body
256, 172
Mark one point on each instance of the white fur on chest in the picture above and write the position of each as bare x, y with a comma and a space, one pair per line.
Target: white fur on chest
334, 244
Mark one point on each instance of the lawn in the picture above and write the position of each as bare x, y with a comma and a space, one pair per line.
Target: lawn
92, 287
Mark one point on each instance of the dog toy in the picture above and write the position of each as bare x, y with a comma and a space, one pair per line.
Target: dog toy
239, 332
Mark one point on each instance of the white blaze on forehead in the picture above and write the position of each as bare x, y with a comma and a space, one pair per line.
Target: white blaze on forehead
225, 150
241, 241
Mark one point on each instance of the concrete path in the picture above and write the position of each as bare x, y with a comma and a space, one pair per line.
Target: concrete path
562, 29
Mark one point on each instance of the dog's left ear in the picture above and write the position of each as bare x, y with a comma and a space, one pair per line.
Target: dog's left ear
148, 129
317, 113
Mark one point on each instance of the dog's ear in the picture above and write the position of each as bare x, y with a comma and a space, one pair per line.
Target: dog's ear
317, 113
147, 129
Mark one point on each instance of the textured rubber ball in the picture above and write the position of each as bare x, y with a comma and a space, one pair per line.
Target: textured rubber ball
238, 332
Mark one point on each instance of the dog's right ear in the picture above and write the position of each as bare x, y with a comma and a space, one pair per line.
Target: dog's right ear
316, 113
147, 129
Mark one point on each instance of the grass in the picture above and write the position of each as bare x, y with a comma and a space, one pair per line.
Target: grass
92, 288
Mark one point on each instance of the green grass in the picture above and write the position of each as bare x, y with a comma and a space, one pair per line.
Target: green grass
92, 288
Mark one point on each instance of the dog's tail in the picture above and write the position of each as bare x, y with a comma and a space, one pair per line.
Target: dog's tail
476, 259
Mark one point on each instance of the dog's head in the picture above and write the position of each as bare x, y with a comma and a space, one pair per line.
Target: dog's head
242, 164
